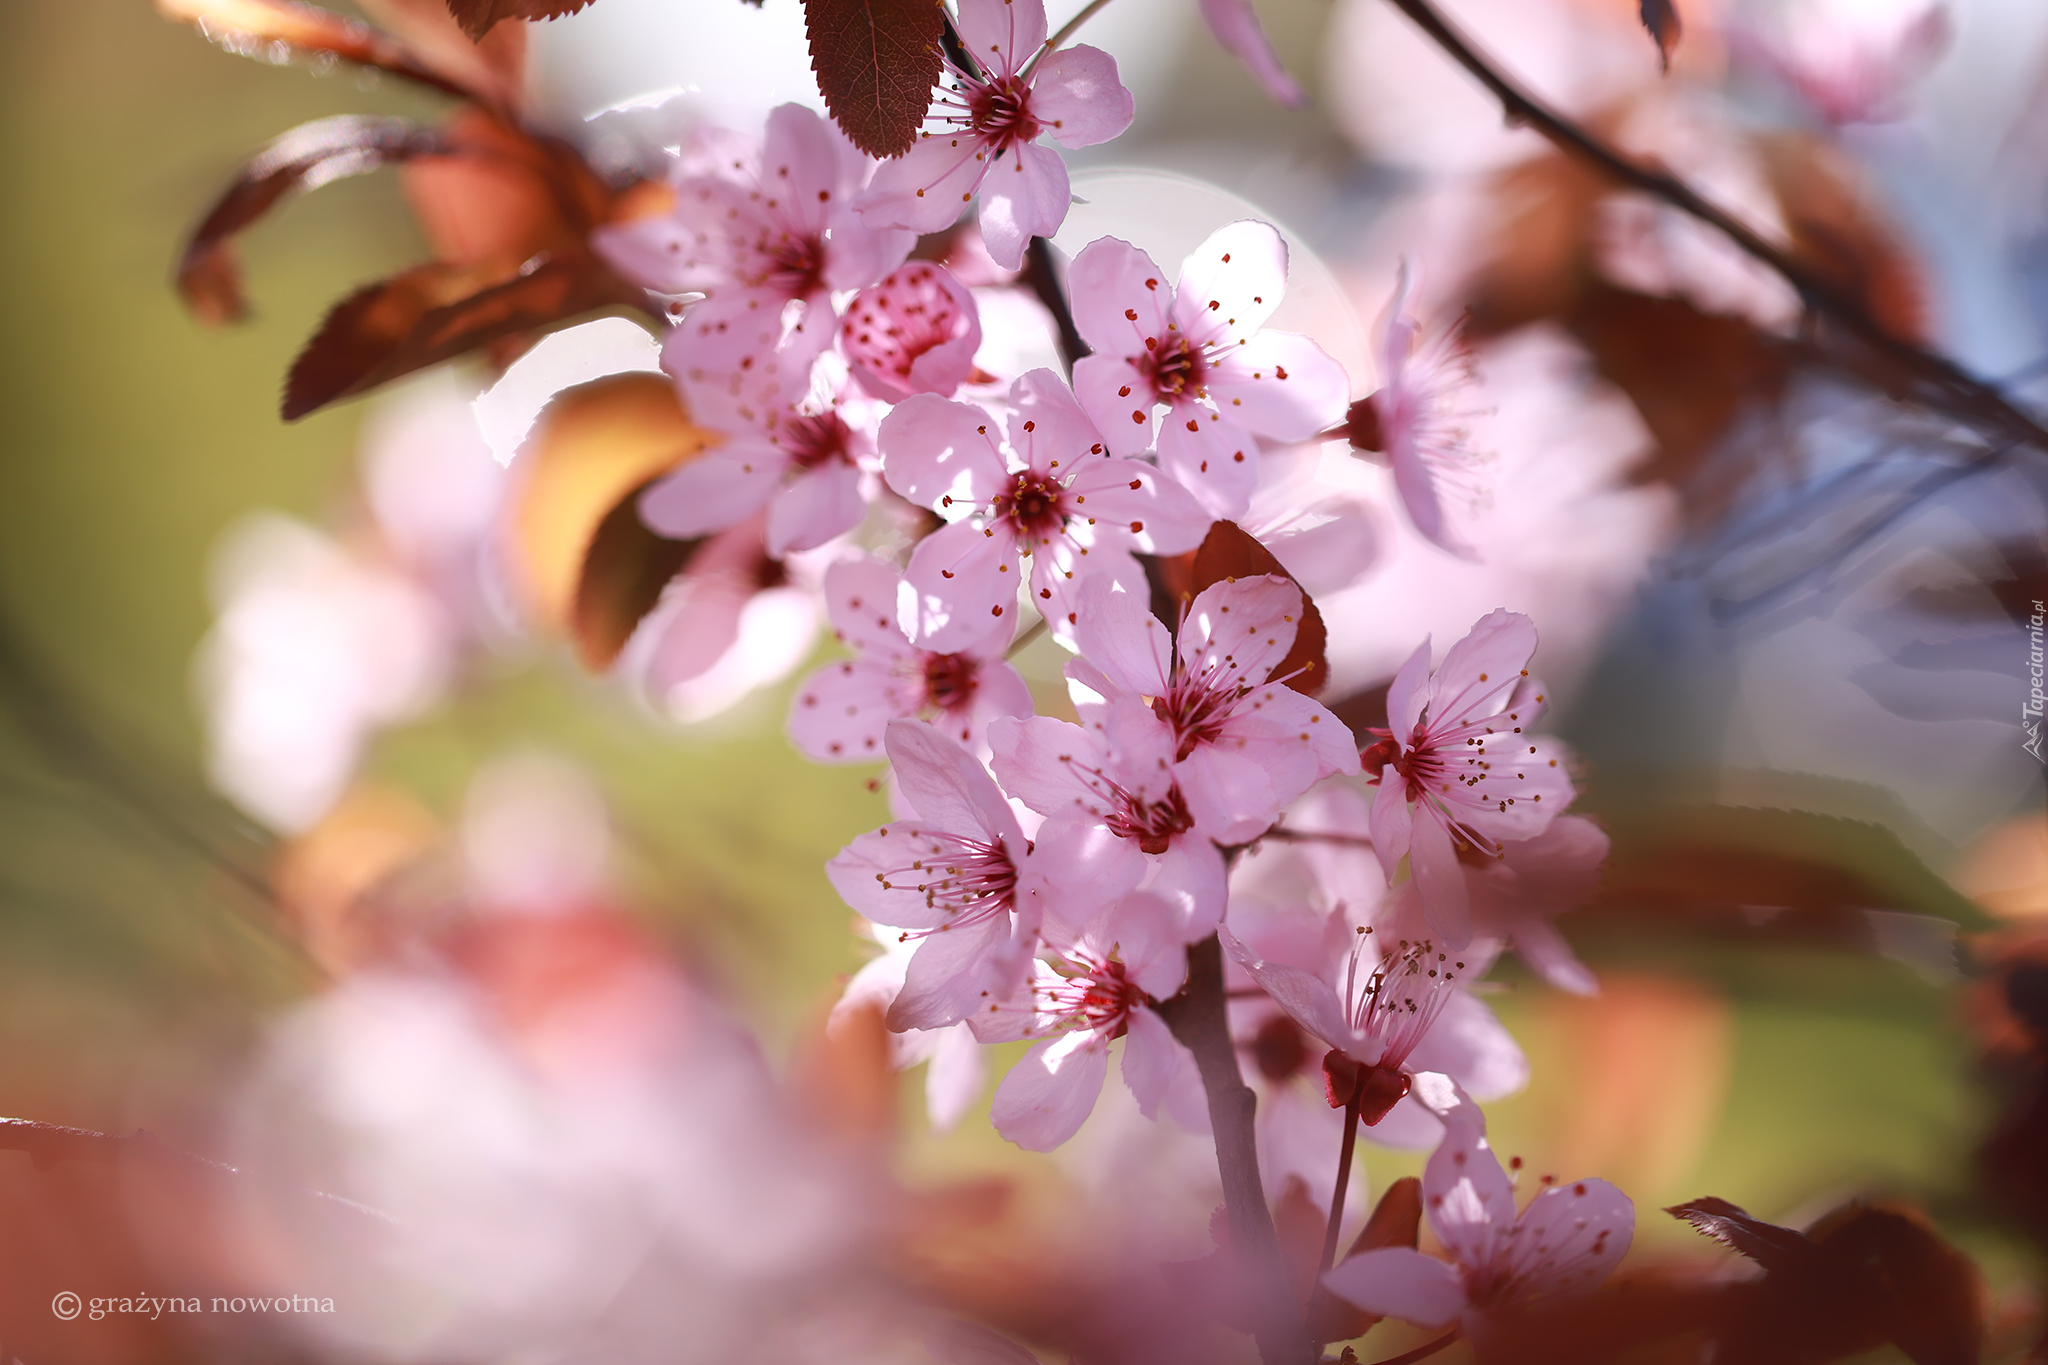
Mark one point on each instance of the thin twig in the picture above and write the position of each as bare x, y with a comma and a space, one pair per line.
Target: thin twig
1067, 30
1316, 836
1018, 645
1422, 1352
1937, 382
1199, 1021
1344, 1155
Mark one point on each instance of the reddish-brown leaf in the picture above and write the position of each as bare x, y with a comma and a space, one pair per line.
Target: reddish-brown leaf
1660, 17
503, 195
1396, 1222
1229, 551
1840, 232
876, 62
494, 67
623, 574
477, 17
435, 312
578, 557
1769, 1245
258, 27
305, 158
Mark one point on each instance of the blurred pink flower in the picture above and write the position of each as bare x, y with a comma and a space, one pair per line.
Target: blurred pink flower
1442, 790
1072, 96
839, 712
1198, 349
1054, 498
1568, 1239
915, 332
1852, 61
1235, 26
954, 1067
1098, 989
1421, 405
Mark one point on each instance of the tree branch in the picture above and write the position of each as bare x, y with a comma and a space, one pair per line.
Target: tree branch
1932, 380
1199, 1020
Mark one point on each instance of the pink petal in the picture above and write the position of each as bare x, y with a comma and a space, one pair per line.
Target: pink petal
1232, 282
1212, 457
1152, 1058
1538, 943
1408, 694
857, 253
934, 451
949, 973
1239, 630
1036, 761
1145, 933
839, 713
1308, 1000
1398, 1282
1109, 280
1481, 669
1392, 823
1230, 796
1470, 1044
1001, 35
1416, 484
1191, 876
1022, 197
870, 876
1161, 517
947, 786
1118, 398
814, 507
1047, 428
860, 599
651, 252
923, 190
960, 578
714, 491
914, 332
1084, 868
954, 1077
1076, 93
999, 691
1140, 747
1061, 569
800, 166
1236, 29
1051, 1090
1439, 877
1572, 1236
1282, 386
1465, 1193
1117, 632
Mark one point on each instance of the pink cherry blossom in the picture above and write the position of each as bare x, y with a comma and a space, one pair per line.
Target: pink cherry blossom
1049, 494
1244, 743
1460, 773
1022, 94
1198, 349
840, 712
1116, 774
796, 442
1567, 1240
959, 876
1375, 1018
760, 235
1516, 898
1080, 999
915, 332
1422, 406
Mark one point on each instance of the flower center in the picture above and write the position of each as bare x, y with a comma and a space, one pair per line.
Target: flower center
816, 440
1178, 366
1091, 995
1278, 1049
791, 265
1033, 503
949, 680
1152, 823
1399, 1000
1001, 112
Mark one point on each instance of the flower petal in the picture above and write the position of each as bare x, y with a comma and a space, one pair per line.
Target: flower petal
1076, 93
923, 189
815, 506
1399, 1282
938, 453
1282, 386
1308, 1000
954, 1077
1231, 283
714, 491
959, 581
1022, 197
1109, 281
1440, 878
1236, 29
1211, 456
1002, 35
1051, 1090
951, 972
948, 787
1117, 632
1152, 1058
839, 713
1117, 397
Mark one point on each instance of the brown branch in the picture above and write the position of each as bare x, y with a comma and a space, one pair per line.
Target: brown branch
1199, 1020
1933, 380
1422, 1352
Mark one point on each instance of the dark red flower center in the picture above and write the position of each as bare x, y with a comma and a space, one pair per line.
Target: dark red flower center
817, 440
1033, 503
949, 680
1177, 366
1001, 112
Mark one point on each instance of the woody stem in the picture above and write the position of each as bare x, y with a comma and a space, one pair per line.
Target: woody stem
1344, 1154
1199, 1019
1422, 1352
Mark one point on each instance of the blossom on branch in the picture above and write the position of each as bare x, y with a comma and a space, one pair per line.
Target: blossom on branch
1419, 411
1458, 774
991, 121
1053, 497
840, 712
1567, 1240
1197, 349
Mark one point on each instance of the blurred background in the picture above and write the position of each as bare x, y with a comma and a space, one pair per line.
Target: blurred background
1784, 618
